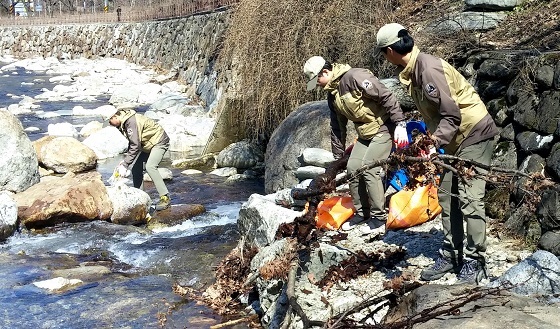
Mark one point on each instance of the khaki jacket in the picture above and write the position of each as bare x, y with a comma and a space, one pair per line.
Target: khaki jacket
451, 108
142, 133
357, 95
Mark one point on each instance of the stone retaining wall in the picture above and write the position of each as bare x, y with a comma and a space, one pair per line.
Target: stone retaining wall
187, 45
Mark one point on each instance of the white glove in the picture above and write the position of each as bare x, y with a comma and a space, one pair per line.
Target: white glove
401, 136
431, 152
123, 171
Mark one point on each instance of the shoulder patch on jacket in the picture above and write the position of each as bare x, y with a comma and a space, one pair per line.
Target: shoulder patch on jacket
431, 89
129, 131
366, 84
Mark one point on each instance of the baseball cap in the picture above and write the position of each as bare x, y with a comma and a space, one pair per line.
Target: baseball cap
311, 69
387, 35
108, 112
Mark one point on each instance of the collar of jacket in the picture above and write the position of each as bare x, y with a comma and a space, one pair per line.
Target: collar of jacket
125, 114
405, 74
337, 72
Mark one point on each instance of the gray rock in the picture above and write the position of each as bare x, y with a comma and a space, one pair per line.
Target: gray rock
259, 219
548, 112
317, 157
544, 77
550, 241
8, 216
505, 155
18, 163
309, 172
492, 4
548, 210
467, 21
508, 133
537, 275
530, 142
130, 205
306, 127
241, 155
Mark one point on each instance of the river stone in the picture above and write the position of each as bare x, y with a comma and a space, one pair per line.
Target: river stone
107, 142
90, 128
8, 216
165, 173
58, 284
18, 163
241, 155
66, 154
176, 214
317, 157
72, 198
130, 205
306, 172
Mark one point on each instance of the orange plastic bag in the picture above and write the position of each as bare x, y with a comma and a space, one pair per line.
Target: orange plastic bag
409, 208
334, 211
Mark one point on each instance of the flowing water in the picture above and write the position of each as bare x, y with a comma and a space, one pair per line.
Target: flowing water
128, 272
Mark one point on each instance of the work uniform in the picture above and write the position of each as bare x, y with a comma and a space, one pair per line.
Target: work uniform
147, 143
355, 94
461, 125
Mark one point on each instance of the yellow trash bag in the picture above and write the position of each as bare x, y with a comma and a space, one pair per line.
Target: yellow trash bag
333, 212
409, 208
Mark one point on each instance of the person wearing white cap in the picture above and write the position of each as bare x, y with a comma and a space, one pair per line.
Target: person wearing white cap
147, 143
357, 95
461, 125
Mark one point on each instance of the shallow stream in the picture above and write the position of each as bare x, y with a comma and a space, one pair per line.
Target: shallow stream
136, 291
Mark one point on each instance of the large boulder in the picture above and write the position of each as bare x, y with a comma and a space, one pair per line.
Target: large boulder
66, 154
72, 198
18, 163
307, 127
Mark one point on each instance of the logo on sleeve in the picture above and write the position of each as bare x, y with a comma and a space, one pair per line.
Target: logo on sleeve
431, 89
367, 84
129, 132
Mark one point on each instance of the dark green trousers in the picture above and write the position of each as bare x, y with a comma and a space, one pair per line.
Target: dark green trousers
463, 217
368, 193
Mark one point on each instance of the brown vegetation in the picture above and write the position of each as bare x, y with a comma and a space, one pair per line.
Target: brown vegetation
269, 41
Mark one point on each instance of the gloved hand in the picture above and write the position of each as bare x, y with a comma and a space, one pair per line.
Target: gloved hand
431, 152
123, 171
401, 136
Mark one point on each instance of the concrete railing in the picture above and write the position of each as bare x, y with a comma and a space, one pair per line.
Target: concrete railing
127, 14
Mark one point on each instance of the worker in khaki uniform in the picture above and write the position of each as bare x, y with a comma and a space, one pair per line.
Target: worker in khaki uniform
355, 94
148, 142
461, 125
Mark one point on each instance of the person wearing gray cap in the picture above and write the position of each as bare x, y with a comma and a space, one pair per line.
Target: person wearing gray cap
147, 143
461, 125
357, 95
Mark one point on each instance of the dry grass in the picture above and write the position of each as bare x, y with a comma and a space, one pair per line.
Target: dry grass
269, 41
